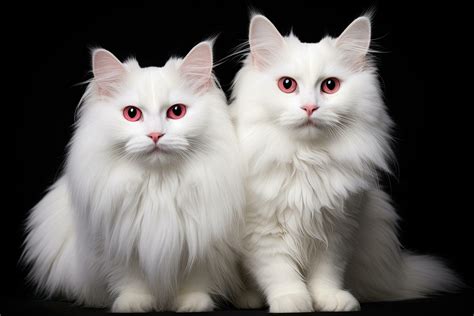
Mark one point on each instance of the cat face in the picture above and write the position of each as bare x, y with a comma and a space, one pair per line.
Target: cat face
151, 114
311, 90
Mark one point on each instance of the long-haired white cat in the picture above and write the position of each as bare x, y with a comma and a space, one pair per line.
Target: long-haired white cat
314, 131
147, 212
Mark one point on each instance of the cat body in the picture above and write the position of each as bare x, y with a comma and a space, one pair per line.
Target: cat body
313, 131
147, 212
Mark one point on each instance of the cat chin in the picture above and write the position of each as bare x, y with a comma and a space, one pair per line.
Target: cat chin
307, 131
158, 158
153, 158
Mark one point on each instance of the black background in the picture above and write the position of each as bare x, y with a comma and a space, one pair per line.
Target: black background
54, 56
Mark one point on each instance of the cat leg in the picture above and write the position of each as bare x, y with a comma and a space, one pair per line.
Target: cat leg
277, 274
326, 283
194, 293
133, 294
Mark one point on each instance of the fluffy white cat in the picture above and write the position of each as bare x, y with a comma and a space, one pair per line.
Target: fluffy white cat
313, 130
147, 212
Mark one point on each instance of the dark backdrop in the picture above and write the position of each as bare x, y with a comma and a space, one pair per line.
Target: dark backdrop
54, 50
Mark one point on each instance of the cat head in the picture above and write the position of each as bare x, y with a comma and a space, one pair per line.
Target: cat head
154, 114
311, 90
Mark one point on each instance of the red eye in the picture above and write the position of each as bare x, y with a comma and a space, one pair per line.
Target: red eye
330, 85
132, 113
287, 84
176, 111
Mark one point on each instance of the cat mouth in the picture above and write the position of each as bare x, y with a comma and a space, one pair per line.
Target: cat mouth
308, 123
155, 150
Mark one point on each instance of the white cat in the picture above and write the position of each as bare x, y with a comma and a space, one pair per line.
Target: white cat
148, 210
314, 131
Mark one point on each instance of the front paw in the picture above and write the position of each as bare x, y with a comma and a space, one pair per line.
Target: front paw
194, 302
133, 303
335, 300
291, 303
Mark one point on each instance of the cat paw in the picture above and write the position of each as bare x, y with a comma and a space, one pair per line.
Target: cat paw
335, 300
133, 303
291, 303
194, 302
249, 300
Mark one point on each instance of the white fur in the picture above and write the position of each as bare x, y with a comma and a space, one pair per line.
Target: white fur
131, 228
319, 233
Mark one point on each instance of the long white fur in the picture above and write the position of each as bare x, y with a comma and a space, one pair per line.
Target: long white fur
320, 233
134, 230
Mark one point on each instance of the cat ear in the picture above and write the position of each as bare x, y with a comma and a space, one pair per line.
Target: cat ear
107, 69
265, 41
197, 66
356, 37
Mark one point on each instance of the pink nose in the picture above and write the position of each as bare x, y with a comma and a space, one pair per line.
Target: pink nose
155, 136
310, 108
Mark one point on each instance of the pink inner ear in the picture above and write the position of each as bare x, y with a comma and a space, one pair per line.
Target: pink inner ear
197, 66
265, 41
108, 71
356, 37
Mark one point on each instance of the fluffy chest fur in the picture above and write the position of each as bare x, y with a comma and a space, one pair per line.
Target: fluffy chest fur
167, 219
300, 192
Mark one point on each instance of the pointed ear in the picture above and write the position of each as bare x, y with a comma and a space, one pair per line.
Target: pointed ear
265, 41
197, 66
356, 37
108, 71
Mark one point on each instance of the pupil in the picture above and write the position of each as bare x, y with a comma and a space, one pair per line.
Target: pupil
176, 110
132, 112
330, 84
287, 83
